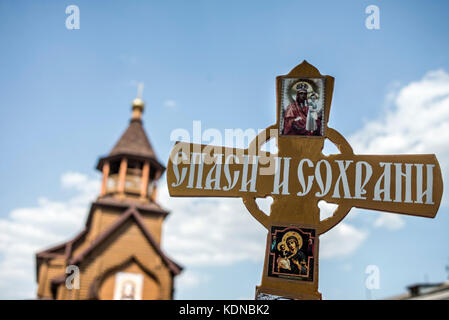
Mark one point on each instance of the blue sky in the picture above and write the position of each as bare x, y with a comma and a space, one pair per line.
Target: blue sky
65, 99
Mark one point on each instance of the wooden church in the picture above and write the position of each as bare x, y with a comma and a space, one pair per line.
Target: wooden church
117, 255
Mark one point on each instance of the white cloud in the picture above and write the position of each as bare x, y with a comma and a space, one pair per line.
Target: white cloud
29, 230
171, 104
389, 221
326, 209
190, 279
211, 231
341, 241
415, 120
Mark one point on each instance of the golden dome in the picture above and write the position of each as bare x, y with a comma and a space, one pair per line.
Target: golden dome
138, 106
138, 103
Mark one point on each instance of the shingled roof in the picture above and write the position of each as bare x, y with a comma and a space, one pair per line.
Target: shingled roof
134, 144
134, 141
67, 248
131, 213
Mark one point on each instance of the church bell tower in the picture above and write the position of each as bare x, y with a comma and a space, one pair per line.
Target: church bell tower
117, 255
131, 170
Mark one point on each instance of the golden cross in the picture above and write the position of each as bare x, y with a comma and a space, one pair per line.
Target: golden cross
299, 176
140, 90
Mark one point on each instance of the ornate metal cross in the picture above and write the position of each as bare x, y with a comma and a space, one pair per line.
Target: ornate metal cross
299, 176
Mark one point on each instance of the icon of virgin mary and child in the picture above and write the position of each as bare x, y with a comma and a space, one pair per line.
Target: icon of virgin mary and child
290, 258
303, 116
